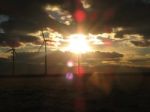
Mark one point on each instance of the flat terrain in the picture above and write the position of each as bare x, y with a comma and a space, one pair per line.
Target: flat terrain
90, 93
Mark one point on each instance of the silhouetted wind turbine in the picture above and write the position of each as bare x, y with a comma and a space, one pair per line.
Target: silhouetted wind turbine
13, 51
44, 36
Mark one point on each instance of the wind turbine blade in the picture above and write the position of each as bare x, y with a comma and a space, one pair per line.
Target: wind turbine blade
40, 47
8, 50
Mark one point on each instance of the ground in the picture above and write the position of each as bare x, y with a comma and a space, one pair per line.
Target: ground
91, 93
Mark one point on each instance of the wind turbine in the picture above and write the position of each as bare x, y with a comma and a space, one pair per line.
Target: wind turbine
44, 36
13, 51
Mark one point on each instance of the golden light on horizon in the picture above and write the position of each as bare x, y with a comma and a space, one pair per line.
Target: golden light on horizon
78, 44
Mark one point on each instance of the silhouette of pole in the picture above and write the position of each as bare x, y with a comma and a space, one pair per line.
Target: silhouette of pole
78, 59
13, 63
45, 43
45, 59
13, 52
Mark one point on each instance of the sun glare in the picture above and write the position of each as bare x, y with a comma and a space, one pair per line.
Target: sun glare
78, 44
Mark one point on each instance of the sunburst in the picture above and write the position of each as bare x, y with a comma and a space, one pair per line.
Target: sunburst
78, 44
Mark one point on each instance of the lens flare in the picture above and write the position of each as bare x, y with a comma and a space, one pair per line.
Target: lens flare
70, 64
79, 70
79, 15
69, 76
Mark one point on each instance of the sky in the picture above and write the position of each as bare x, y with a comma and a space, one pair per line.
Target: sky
118, 31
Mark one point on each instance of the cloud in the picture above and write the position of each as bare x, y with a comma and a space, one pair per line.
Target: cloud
1, 30
143, 60
138, 30
102, 57
125, 13
3, 60
133, 39
3, 18
108, 55
32, 62
58, 14
11, 40
54, 57
144, 43
101, 16
28, 16
140, 62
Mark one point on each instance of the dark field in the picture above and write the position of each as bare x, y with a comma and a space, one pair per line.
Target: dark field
91, 93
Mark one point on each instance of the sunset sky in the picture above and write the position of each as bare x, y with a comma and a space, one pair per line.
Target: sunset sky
117, 32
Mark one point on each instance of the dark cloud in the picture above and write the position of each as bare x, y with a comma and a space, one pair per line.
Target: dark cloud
3, 18
3, 60
103, 56
105, 14
132, 15
144, 43
54, 57
140, 30
140, 60
16, 40
38, 57
32, 62
108, 54
29, 16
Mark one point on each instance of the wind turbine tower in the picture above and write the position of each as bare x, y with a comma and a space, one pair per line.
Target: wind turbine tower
45, 40
13, 51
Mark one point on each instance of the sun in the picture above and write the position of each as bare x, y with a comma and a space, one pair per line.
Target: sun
78, 44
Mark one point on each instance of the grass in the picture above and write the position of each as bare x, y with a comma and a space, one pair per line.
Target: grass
95, 93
